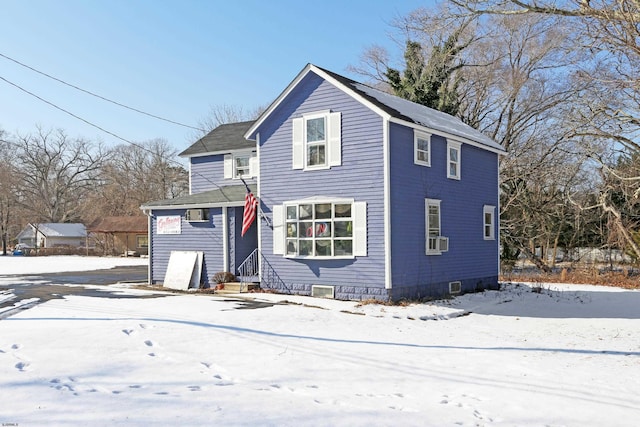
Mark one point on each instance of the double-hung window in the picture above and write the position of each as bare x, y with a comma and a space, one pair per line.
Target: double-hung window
488, 215
240, 165
453, 159
317, 141
422, 148
320, 228
435, 242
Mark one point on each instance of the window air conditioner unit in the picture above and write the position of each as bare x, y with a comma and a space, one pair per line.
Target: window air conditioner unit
195, 215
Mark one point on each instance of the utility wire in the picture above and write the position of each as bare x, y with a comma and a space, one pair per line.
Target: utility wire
104, 130
99, 96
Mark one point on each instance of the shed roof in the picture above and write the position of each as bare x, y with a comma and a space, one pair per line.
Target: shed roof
225, 138
120, 224
230, 195
56, 229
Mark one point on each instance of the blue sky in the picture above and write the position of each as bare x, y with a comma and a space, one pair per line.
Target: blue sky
174, 59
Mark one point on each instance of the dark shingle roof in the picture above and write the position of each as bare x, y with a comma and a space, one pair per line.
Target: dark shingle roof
415, 113
230, 194
224, 138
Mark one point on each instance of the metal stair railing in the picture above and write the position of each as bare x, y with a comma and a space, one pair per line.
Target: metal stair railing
249, 268
248, 272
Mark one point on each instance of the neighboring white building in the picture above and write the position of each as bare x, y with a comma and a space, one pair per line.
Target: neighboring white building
53, 234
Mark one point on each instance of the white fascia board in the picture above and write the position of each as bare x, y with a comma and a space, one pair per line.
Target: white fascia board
192, 206
448, 135
219, 152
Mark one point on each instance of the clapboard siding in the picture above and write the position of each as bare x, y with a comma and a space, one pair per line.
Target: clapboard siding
207, 173
359, 177
195, 236
470, 258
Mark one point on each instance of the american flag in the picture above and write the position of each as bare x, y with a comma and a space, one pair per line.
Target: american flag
250, 205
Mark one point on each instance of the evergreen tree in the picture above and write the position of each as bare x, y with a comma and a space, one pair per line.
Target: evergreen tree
431, 82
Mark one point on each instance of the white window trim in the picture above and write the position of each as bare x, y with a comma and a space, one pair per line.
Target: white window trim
358, 218
230, 167
306, 118
441, 240
488, 209
457, 146
332, 142
424, 136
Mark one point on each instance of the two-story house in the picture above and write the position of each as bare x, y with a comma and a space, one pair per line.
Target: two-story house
363, 195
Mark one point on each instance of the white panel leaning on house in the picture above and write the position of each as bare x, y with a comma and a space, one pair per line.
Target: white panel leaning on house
184, 270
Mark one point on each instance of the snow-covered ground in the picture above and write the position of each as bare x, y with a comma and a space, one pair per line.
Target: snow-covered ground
566, 356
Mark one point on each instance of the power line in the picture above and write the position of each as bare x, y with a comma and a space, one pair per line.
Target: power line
99, 96
103, 130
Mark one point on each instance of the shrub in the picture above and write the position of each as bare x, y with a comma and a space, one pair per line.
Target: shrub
223, 277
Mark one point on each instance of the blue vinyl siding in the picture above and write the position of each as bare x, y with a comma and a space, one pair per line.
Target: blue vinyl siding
195, 236
207, 173
359, 177
470, 258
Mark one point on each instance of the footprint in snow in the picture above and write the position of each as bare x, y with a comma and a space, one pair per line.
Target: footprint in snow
149, 343
128, 331
16, 346
22, 366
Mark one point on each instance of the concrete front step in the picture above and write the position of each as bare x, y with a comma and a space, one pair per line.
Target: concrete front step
236, 287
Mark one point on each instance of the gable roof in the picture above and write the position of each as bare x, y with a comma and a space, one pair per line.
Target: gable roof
230, 195
390, 107
223, 139
120, 224
55, 230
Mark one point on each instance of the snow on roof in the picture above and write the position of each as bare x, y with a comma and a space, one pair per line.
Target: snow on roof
61, 229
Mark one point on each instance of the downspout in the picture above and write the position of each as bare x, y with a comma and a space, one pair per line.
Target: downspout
225, 239
149, 214
387, 205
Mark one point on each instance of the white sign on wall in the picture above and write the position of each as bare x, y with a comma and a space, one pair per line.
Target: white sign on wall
169, 224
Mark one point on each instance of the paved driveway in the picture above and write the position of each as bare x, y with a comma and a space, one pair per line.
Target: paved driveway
28, 290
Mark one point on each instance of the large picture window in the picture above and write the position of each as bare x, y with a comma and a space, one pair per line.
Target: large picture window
319, 230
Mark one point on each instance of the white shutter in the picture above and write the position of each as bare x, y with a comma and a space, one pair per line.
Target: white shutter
228, 166
360, 229
335, 139
254, 165
298, 143
278, 230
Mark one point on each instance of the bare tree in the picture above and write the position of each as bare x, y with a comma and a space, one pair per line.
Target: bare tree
609, 110
222, 114
135, 174
57, 173
9, 191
